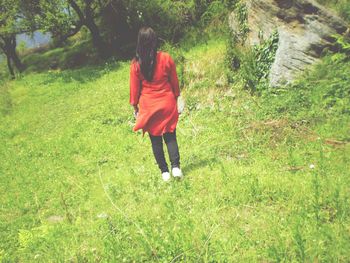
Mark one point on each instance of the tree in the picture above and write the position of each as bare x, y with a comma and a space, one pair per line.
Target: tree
8, 45
65, 18
11, 25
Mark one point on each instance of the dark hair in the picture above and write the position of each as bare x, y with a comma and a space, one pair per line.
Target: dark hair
146, 51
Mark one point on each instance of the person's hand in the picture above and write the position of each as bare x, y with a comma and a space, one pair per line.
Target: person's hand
180, 104
135, 114
136, 111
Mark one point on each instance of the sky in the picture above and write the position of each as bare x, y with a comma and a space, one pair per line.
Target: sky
38, 39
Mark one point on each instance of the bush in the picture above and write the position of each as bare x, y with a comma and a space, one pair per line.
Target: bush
179, 59
251, 65
321, 92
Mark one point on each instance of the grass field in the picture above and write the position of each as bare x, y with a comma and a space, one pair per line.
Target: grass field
267, 179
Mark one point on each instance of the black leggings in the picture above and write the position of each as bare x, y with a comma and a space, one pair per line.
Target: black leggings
173, 150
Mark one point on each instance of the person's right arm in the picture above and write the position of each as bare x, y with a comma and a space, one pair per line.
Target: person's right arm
173, 77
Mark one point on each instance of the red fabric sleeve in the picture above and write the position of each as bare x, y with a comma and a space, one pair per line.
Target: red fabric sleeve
173, 77
134, 85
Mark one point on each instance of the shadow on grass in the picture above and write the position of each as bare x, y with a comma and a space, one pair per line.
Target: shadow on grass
81, 75
78, 63
199, 163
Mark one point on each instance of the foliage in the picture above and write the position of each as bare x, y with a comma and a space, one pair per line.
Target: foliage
173, 19
248, 65
264, 56
8, 15
251, 65
241, 12
341, 6
211, 18
343, 43
55, 17
168, 18
214, 11
236, 40
15, 18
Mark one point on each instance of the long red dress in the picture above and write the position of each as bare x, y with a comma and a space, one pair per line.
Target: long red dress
157, 98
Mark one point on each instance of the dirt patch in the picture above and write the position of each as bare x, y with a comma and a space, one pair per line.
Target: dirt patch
280, 128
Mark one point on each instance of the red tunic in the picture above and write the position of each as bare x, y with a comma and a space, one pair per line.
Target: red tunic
157, 98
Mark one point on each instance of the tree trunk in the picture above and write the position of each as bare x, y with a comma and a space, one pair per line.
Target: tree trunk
19, 65
95, 32
97, 39
87, 19
10, 51
12, 73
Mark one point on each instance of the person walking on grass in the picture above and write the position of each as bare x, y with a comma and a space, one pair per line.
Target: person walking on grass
154, 91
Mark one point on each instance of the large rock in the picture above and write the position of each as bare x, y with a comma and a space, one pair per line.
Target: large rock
305, 29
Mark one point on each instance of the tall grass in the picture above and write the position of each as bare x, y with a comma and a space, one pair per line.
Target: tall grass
266, 178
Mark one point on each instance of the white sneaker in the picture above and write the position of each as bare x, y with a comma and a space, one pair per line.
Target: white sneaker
177, 173
166, 176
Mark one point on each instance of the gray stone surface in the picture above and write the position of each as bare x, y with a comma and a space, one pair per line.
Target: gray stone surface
305, 29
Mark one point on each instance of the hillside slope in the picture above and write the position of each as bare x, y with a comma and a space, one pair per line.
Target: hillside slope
266, 178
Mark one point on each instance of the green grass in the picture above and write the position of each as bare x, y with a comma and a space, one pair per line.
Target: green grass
78, 185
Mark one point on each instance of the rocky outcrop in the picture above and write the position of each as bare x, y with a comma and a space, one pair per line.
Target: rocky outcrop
305, 29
